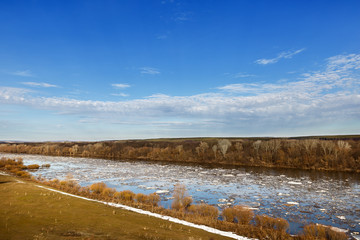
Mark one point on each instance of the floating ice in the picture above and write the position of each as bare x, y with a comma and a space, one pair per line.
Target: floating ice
271, 188
228, 175
162, 191
292, 203
294, 183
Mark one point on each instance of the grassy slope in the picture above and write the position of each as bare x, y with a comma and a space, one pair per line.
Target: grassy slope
29, 212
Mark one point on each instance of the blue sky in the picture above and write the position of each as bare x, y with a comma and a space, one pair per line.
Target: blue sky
98, 70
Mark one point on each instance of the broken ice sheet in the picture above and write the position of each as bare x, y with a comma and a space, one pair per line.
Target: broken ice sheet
268, 190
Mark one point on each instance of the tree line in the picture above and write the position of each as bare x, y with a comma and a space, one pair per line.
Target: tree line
339, 154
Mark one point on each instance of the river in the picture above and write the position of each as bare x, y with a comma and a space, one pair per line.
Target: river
301, 197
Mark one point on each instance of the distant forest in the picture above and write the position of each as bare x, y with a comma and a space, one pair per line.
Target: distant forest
339, 153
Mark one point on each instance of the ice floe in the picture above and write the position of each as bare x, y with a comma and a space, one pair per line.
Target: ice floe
327, 196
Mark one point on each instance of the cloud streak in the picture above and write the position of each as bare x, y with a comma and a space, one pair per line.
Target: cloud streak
25, 73
321, 97
282, 55
149, 70
120, 85
40, 84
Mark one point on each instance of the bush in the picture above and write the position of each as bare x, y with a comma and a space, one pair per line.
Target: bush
33, 166
315, 231
98, 187
141, 198
45, 165
181, 200
204, 210
239, 214
108, 192
270, 222
126, 195
153, 199
23, 174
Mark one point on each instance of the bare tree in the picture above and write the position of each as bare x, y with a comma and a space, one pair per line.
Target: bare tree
224, 144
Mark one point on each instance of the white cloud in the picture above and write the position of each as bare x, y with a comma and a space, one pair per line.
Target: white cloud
149, 70
321, 97
286, 55
120, 85
25, 73
41, 84
120, 94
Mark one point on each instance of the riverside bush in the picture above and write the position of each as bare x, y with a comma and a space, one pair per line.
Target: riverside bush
265, 221
97, 188
126, 195
239, 214
321, 232
204, 210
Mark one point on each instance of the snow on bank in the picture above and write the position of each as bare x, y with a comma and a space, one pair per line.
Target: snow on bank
170, 219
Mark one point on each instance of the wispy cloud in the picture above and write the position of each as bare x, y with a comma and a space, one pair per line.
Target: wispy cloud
286, 55
120, 94
39, 84
241, 75
120, 85
149, 70
25, 73
183, 16
322, 97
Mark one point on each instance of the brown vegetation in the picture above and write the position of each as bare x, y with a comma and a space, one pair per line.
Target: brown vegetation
326, 153
239, 214
321, 232
236, 219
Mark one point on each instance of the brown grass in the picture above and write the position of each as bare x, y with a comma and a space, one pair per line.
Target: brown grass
321, 232
239, 214
29, 212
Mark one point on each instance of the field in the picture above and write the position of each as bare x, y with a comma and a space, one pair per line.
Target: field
29, 212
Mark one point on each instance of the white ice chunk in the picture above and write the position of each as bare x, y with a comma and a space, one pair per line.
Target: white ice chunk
162, 191
294, 183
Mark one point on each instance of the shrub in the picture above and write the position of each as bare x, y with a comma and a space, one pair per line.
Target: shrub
141, 198
153, 199
126, 195
204, 210
33, 166
108, 192
23, 174
270, 222
97, 187
239, 214
54, 182
181, 200
45, 165
316, 231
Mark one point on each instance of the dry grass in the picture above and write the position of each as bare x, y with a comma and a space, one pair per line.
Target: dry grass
239, 214
320, 232
28, 212
236, 219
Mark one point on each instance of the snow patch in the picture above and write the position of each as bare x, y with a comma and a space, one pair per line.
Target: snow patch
170, 219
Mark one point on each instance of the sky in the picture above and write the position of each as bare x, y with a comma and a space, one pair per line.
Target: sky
136, 69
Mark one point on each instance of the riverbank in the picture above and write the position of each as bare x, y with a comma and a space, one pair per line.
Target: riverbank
30, 212
332, 153
265, 226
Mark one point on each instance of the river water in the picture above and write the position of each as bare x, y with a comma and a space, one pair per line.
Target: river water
301, 197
